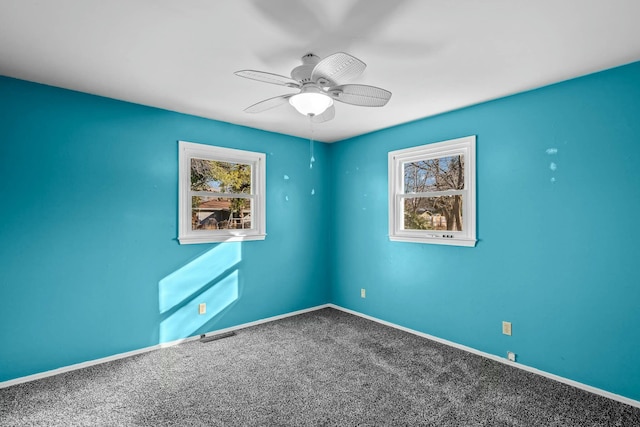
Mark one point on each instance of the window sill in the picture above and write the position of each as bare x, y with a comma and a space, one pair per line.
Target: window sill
435, 240
189, 240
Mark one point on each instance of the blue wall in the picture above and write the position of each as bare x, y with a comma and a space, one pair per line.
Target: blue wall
557, 252
89, 261
90, 265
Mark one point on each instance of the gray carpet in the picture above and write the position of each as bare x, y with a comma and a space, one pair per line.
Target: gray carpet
317, 369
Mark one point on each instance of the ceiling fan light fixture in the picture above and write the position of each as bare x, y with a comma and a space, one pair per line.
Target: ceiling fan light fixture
311, 103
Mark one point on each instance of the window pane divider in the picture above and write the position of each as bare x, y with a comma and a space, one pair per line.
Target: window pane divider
221, 195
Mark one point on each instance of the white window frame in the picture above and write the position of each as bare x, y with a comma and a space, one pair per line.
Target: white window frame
466, 147
189, 150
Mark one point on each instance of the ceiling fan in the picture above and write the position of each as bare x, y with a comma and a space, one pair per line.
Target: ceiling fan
319, 81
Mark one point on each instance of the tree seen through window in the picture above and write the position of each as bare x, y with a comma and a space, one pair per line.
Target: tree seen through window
228, 184
433, 182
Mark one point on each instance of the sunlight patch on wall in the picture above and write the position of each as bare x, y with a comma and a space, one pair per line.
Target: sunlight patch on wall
188, 280
212, 278
186, 321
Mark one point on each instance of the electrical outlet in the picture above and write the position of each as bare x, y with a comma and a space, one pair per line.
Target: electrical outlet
202, 308
363, 293
506, 328
511, 356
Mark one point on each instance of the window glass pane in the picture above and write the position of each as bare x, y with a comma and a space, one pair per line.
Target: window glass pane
444, 173
220, 177
220, 213
433, 213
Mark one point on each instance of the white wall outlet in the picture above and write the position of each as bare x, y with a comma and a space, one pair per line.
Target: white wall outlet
511, 356
363, 293
202, 308
506, 328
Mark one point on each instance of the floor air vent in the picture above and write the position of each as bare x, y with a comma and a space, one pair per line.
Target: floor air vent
204, 338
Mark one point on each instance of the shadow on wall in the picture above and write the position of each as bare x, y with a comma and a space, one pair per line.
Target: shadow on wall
212, 278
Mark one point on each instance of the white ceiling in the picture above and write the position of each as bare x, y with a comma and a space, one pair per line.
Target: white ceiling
433, 55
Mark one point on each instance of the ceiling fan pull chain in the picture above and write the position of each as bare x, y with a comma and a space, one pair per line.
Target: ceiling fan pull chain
312, 159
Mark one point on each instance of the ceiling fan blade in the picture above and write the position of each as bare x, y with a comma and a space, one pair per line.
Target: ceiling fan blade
362, 95
337, 67
328, 114
268, 104
262, 76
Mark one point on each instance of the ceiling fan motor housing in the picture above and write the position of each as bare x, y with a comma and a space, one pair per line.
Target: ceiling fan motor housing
302, 73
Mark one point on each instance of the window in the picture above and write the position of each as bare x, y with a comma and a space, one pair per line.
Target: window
221, 194
432, 196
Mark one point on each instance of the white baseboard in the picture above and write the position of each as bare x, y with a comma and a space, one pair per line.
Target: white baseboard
558, 378
88, 363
